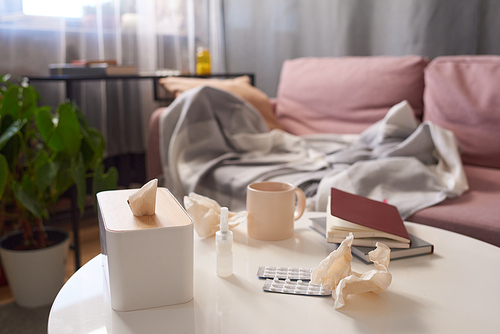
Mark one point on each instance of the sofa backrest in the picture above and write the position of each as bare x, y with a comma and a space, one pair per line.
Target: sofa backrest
346, 94
462, 94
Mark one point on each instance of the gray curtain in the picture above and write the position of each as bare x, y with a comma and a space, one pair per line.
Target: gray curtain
261, 34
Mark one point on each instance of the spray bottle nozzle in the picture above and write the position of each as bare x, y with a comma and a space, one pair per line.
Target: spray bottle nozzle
224, 220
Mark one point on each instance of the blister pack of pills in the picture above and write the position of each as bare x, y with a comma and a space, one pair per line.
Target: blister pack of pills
298, 287
292, 274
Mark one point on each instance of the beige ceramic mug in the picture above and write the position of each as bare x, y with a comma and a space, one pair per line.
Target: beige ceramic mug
272, 209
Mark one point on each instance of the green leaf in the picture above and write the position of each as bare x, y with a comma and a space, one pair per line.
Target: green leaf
78, 172
45, 171
81, 118
104, 181
26, 196
67, 135
11, 148
64, 179
11, 131
98, 139
10, 102
29, 101
4, 173
44, 122
92, 147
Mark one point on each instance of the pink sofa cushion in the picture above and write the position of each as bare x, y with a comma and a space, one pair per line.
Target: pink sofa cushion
475, 213
346, 94
462, 94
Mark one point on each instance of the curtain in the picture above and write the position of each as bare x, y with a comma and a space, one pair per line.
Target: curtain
261, 34
152, 34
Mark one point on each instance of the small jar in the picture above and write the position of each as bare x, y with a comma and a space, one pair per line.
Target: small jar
203, 62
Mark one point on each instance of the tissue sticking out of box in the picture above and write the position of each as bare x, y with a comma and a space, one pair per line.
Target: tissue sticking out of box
335, 273
143, 202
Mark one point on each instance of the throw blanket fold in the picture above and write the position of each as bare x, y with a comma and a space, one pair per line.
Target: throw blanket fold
214, 144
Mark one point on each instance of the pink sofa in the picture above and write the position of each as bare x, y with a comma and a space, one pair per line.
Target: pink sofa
348, 94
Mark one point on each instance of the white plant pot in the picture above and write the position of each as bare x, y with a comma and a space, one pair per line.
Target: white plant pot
35, 276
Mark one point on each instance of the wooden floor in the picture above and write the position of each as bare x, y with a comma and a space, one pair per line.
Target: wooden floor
89, 248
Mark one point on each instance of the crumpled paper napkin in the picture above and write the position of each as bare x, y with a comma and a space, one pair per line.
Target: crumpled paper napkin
206, 214
334, 272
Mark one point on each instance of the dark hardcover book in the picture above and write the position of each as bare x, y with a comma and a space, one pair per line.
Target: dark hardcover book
368, 220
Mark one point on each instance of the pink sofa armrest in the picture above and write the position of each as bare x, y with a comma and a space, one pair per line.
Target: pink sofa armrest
274, 103
153, 158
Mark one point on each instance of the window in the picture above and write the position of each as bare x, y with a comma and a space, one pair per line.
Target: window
59, 8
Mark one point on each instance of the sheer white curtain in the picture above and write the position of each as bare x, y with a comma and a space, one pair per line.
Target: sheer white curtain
261, 34
151, 34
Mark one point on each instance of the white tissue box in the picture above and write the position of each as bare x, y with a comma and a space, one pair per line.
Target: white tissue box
148, 260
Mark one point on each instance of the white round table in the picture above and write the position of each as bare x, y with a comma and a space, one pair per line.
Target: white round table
454, 290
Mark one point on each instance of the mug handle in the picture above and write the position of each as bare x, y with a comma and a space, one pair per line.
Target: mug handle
301, 203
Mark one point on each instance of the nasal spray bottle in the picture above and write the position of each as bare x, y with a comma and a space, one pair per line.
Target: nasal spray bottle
224, 243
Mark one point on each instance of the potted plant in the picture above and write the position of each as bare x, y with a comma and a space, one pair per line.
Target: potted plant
43, 153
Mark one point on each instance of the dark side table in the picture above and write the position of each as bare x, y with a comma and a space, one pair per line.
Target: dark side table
70, 80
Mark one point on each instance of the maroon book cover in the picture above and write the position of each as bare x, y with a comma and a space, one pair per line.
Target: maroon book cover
367, 212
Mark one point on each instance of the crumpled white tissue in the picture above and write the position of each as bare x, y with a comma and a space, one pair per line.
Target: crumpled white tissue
206, 214
143, 202
334, 272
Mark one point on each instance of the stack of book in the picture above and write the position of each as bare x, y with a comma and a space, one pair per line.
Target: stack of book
370, 222
92, 68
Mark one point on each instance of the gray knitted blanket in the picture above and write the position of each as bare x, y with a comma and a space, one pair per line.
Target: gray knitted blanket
214, 144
